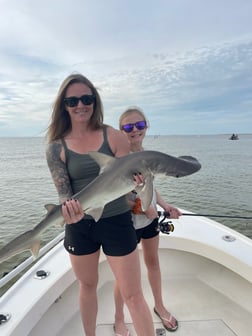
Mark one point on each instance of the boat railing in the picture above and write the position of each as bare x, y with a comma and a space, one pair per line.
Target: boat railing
27, 262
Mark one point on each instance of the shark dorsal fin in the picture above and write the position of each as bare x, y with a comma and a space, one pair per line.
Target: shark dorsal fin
103, 160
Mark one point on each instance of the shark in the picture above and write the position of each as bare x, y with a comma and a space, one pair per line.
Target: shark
115, 179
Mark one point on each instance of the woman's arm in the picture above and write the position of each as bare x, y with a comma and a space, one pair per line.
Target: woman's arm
174, 212
57, 167
71, 208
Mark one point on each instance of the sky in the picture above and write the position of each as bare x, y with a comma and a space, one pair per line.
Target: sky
186, 63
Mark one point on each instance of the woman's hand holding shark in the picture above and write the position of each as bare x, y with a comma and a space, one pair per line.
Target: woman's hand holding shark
72, 211
138, 179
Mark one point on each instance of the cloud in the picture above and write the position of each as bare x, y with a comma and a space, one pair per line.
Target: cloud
187, 64
208, 84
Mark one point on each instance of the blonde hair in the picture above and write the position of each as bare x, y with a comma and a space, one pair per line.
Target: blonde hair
131, 110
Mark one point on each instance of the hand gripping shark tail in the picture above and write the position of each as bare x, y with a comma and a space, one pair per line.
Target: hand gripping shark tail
115, 180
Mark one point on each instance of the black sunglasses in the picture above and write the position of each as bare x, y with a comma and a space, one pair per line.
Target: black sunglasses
74, 101
140, 125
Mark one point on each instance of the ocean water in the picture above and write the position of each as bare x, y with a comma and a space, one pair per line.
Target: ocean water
222, 187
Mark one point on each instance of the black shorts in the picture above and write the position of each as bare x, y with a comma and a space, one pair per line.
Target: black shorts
148, 231
116, 235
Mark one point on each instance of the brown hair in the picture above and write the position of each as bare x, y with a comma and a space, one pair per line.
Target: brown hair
60, 124
129, 111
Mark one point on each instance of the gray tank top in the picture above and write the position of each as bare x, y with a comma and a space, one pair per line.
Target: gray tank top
82, 169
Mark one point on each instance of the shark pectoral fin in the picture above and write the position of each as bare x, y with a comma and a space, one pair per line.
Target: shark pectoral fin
146, 192
103, 160
94, 212
35, 248
49, 207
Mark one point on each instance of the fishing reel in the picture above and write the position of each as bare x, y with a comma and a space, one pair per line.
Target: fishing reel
164, 225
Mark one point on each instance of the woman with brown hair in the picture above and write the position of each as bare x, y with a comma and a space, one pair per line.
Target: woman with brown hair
76, 128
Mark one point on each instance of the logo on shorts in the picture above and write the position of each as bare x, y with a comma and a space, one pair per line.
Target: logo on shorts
71, 248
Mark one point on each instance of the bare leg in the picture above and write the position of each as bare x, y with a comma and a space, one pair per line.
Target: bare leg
120, 327
88, 284
150, 250
128, 275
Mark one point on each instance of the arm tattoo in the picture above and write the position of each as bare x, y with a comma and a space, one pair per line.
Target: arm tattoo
58, 171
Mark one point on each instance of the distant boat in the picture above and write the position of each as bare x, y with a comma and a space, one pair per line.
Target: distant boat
234, 137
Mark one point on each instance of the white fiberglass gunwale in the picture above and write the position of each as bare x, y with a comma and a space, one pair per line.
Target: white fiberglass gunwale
199, 249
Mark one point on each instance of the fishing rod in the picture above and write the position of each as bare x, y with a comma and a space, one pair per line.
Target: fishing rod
165, 225
167, 214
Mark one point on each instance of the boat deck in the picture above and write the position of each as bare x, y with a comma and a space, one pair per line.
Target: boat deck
200, 310
201, 301
206, 281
